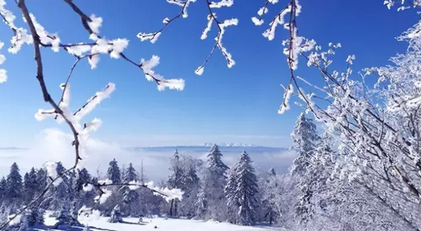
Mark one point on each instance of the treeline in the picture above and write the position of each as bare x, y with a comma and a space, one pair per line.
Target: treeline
211, 191
319, 193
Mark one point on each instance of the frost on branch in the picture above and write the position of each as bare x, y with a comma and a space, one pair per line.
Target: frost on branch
208, 26
166, 193
295, 44
45, 37
102, 198
287, 96
184, 5
94, 101
147, 67
405, 4
153, 37
211, 18
20, 34
221, 3
51, 168
80, 132
95, 23
218, 40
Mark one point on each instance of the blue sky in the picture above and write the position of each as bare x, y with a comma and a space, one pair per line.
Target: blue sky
222, 105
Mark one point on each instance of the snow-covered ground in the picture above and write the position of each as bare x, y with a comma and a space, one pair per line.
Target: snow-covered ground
131, 224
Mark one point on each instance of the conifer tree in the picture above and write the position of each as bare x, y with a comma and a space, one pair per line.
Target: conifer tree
113, 172
14, 184
211, 201
175, 180
306, 140
242, 192
116, 215
3, 188
130, 196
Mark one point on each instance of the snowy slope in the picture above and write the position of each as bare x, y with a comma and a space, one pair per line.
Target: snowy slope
161, 224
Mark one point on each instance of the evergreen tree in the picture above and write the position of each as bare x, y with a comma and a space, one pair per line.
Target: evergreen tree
64, 215
30, 184
130, 196
35, 216
191, 187
14, 184
130, 174
175, 180
306, 140
211, 201
3, 188
116, 215
242, 192
41, 180
113, 172
268, 185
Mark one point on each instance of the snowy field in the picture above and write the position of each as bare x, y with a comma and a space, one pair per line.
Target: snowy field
160, 223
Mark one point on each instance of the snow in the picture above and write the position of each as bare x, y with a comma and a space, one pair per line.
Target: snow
95, 23
161, 224
222, 3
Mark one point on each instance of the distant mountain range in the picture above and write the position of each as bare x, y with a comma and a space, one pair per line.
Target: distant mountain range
230, 145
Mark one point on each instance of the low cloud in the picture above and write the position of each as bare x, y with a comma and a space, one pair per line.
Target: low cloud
55, 145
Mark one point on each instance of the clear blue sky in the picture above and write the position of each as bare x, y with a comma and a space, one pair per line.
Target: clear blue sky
233, 105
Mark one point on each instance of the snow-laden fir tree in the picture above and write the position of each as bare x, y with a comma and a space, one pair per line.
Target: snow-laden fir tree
242, 192
3, 188
113, 172
211, 200
305, 140
189, 184
30, 185
268, 185
14, 185
175, 180
130, 197
41, 180
35, 216
116, 216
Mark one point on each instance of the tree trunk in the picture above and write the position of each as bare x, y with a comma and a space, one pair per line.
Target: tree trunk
171, 207
175, 208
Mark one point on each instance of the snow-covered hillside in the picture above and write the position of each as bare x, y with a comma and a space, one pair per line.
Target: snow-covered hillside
131, 224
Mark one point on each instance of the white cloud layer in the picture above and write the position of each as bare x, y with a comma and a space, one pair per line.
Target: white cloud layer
55, 145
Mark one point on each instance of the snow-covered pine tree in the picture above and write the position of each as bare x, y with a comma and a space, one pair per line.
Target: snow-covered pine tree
23, 225
130, 196
30, 185
41, 180
64, 215
116, 215
175, 180
190, 186
268, 185
35, 216
305, 140
14, 185
3, 188
130, 174
113, 172
83, 197
211, 201
242, 192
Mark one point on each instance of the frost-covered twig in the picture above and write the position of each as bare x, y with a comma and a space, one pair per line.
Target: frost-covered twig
153, 37
91, 24
221, 31
211, 19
